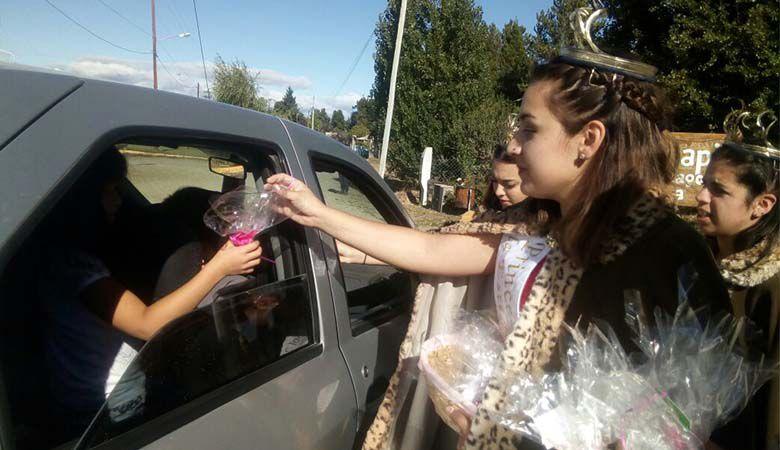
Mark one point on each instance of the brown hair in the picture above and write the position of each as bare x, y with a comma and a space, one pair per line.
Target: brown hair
636, 156
490, 201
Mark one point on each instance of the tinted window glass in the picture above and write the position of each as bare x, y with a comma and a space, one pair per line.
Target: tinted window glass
375, 293
237, 334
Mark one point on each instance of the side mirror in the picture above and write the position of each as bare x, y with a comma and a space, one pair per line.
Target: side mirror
227, 168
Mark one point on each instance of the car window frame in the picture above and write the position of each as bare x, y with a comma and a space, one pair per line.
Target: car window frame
375, 195
164, 424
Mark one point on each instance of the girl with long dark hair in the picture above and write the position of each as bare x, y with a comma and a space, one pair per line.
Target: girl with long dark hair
738, 211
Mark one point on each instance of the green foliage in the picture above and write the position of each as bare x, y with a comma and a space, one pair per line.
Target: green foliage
363, 112
552, 29
446, 95
236, 85
710, 54
458, 76
360, 130
322, 120
337, 121
514, 63
287, 108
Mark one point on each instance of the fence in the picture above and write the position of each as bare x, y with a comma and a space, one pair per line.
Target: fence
695, 151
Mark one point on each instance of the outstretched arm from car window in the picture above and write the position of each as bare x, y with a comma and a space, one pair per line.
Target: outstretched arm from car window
125, 311
405, 248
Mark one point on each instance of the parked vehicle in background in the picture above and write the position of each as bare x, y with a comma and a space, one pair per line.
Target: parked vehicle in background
214, 378
361, 151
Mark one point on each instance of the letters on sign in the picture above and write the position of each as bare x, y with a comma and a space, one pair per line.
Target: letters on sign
695, 152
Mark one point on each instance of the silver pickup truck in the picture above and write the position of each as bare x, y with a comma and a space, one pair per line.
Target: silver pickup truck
311, 378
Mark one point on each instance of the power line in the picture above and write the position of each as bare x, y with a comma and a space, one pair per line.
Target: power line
92, 32
354, 64
200, 40
172, 8
172, 60
172, 75
136, 26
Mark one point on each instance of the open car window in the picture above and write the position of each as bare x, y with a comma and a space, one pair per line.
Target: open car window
158, 171
375, 293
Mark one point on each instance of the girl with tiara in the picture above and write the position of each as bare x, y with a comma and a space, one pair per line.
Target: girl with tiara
594, 144
738, 212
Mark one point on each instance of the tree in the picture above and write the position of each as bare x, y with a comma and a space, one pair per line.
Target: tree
514, 63
287, 107
236, 85
446, 94
337, 121
710, 54
360, 130
363, 115
552, 29
322, 120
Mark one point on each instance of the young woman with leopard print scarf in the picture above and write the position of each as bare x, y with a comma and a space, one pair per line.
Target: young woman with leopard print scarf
593, 143
738, 211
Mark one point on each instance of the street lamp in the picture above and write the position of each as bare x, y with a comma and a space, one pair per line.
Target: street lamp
174, 36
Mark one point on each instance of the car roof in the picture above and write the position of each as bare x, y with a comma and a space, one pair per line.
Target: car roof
31, 91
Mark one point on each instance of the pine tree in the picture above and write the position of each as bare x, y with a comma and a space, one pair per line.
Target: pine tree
514, 63
287, 107
337, 121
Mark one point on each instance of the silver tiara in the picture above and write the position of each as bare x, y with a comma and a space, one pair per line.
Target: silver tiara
750, 131
586, 52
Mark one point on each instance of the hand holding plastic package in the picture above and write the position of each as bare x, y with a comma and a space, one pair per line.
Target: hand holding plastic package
243, 214
458, 366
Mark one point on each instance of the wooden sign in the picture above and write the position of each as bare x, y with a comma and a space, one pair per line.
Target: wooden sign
695, 151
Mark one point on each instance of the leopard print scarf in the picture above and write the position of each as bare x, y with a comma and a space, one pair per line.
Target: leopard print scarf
534, 339
747, 268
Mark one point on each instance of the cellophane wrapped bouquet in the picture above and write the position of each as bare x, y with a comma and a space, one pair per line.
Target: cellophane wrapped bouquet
689, 376
457, 366
242, 214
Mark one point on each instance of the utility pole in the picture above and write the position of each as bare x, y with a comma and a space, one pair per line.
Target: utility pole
391, 97
198, 94
154, 46
312, 112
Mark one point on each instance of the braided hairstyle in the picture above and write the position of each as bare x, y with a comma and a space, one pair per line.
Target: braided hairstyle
637, 154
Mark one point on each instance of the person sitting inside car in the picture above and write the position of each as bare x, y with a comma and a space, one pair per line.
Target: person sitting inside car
92, 318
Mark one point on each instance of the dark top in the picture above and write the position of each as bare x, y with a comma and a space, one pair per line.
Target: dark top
670, 254
750, 430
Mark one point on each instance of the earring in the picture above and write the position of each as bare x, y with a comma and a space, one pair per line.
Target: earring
581, 156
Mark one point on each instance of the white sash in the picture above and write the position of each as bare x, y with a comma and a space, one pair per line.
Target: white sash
518, 255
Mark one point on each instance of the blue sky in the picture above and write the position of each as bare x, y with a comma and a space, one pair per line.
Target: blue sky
307, 44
